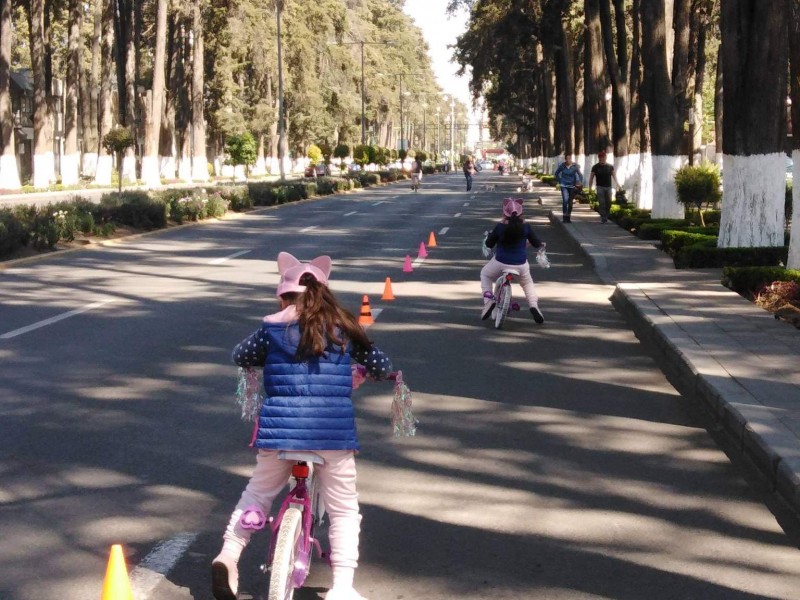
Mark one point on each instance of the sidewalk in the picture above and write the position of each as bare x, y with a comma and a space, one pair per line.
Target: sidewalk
716, 347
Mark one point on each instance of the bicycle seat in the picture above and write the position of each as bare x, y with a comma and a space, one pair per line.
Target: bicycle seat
301, 456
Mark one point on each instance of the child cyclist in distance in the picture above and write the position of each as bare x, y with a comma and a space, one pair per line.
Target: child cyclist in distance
306, 351
510, 236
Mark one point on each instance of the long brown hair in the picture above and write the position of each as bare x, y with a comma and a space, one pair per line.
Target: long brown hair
323, 320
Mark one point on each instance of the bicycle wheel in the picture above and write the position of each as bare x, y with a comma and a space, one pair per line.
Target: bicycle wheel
280, 581
503, 302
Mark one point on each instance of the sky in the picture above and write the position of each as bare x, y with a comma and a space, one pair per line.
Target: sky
441, 30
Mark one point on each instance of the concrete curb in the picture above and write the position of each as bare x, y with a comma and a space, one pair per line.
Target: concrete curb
756, 432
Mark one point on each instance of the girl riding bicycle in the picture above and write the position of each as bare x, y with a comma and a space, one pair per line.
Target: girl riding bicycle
511, 236
306, 350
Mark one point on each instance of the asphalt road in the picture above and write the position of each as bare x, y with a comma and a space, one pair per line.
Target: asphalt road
551, 461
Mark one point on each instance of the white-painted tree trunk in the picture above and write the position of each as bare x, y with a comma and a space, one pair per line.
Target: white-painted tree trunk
9, 173
168, 168
185, 168
200, 169
70, 169
44, 169
794, 243
103, 171
718, 159
665, 197
129, 168
753, 200
625, 168
639, 185
89, 164
151, 176
580, 160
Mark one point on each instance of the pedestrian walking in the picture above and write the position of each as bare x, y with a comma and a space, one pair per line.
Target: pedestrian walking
604, 172
569, 176
469, 171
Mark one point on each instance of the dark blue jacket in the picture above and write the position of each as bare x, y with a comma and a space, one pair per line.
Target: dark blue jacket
308, 404
515, 253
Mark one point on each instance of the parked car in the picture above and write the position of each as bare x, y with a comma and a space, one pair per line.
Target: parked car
320, 170
486, 165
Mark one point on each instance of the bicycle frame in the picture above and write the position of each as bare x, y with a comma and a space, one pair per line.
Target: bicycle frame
503, 296
302, 496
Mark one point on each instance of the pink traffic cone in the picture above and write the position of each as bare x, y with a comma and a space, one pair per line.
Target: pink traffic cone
407, 265
422, 251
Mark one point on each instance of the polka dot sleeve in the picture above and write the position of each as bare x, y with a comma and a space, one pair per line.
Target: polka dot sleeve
251, 351
378, 365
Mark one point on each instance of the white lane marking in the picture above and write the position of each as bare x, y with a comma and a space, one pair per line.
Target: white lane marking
417, 261
352, 212
157, 565
219, 261
444, 230
375, 312
56, 319
466, 203
309, 228
379, 202
457, 215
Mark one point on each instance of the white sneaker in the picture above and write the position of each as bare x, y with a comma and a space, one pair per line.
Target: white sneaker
224, 577
343, 593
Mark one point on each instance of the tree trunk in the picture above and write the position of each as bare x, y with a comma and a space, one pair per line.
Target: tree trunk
70, 163
754, 48
9, 172
105, 162
665, 125
580, 127
596, 109
43, 160
618, 73
718, 109
641, 190
793, 14
199, 161
151, 172
90, 98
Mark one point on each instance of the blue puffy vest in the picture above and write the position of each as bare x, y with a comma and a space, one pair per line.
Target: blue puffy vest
308, 404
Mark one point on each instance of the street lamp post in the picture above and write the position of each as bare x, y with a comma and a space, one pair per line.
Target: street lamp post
438, 114
424, 127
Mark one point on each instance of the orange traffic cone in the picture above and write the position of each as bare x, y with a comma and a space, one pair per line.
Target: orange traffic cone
365, 318
387, 290
116, 585
431, 241
422, 252
407, 268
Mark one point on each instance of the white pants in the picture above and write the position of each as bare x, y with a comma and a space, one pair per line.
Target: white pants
337, 485
494, 268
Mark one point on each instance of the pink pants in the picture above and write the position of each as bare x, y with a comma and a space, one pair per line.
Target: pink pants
337, 485
493, 269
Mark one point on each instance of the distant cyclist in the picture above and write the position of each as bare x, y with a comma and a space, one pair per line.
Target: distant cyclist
416, 174
510, 236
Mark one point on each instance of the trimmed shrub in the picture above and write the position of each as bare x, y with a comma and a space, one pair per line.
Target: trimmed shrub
135, 209
748, 281
237, 197
651, 230
673, 240
698, 185
12, 233
706, 255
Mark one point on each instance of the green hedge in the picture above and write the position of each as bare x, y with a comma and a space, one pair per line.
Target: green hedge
651, 229
748, 281
706, 255
672, 240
